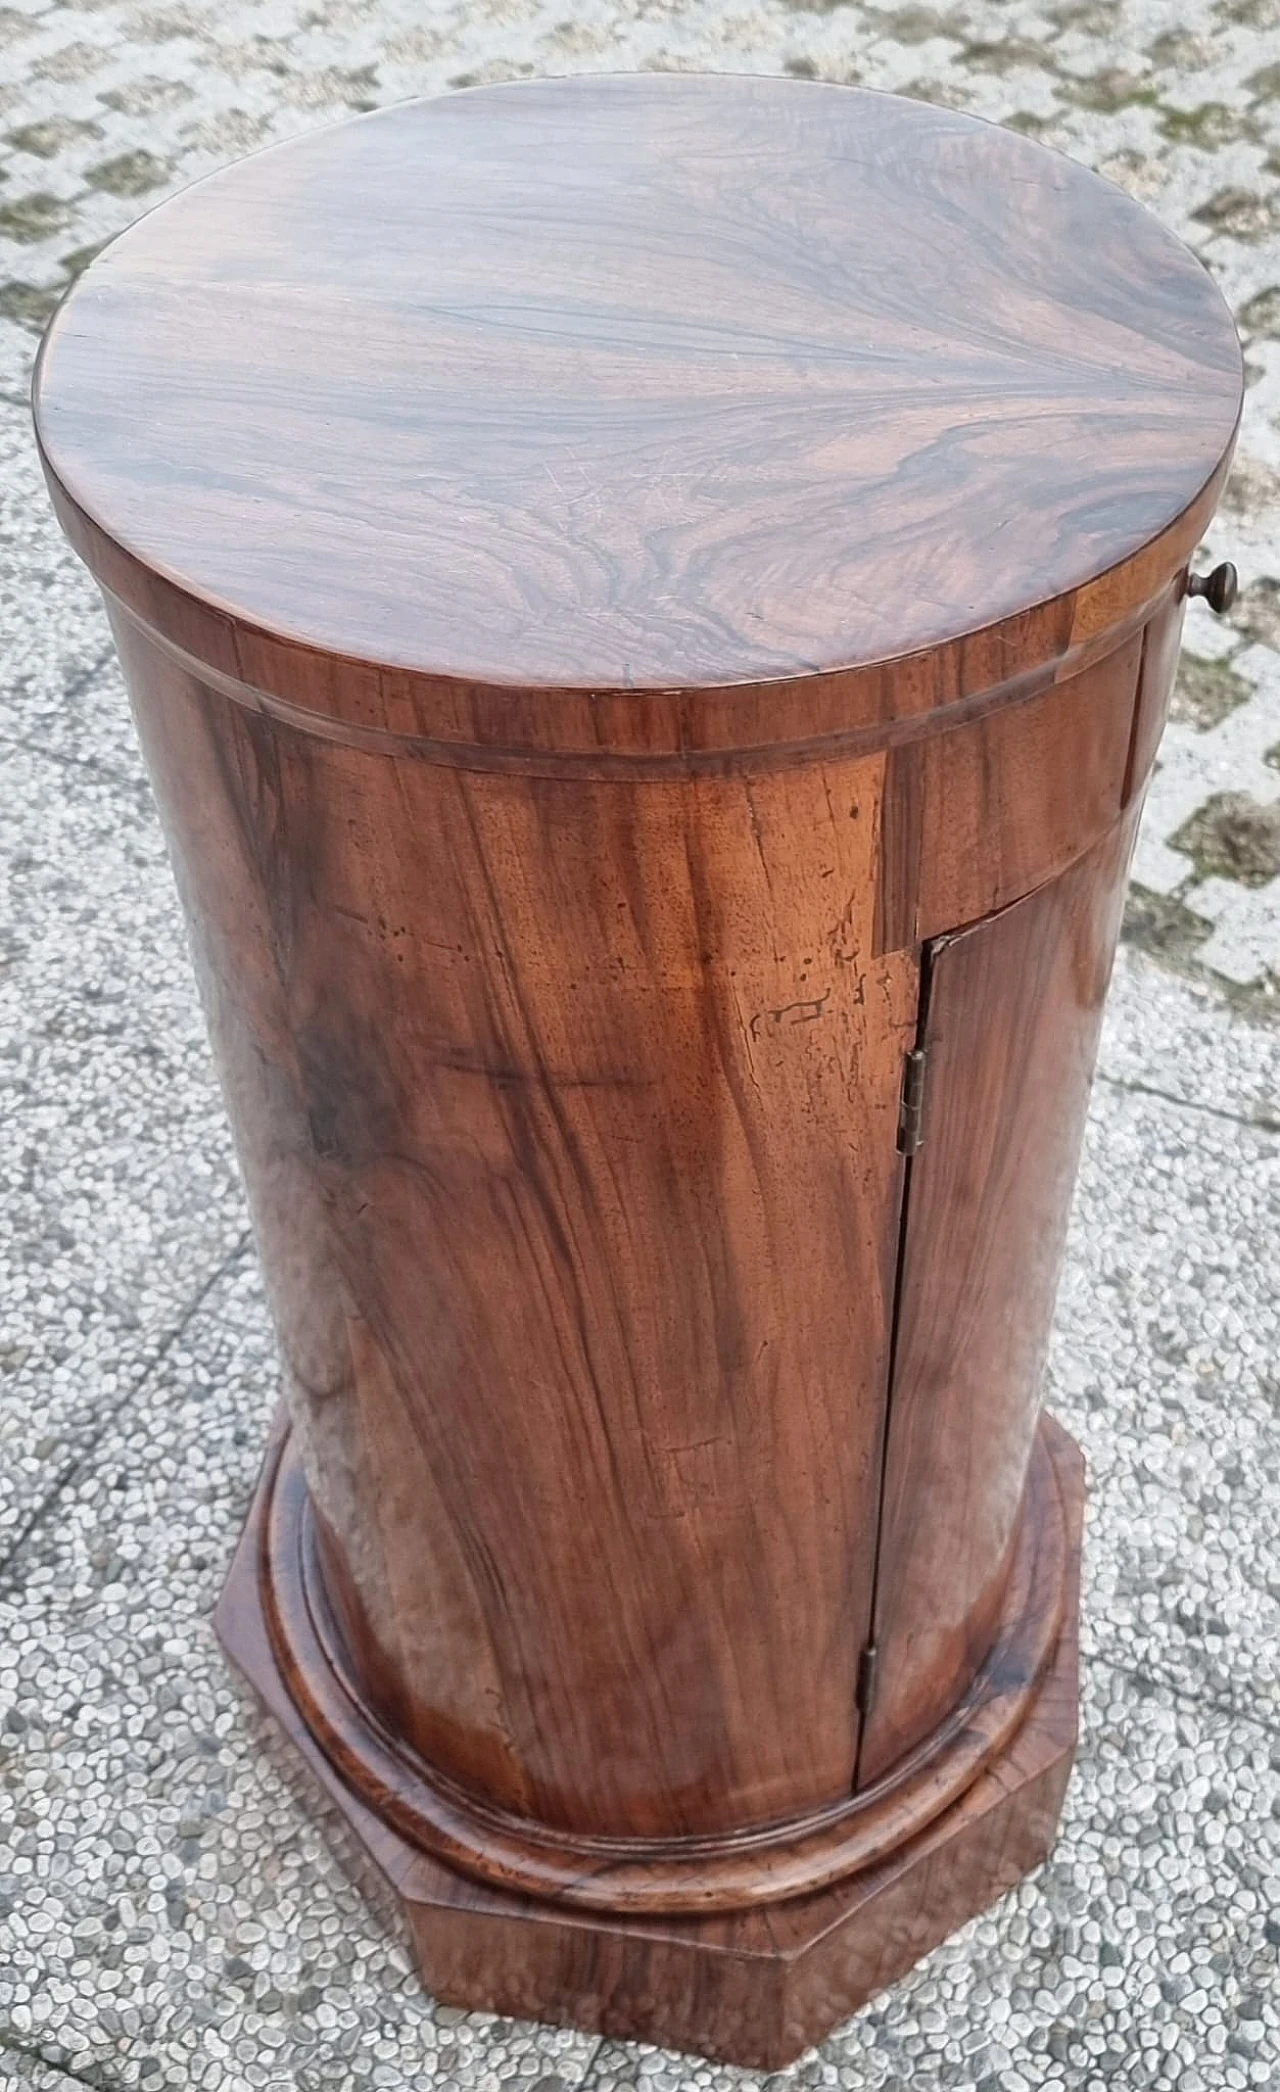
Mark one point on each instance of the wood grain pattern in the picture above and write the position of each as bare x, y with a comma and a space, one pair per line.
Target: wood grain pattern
1161, 639
615, 578
1010, 1030
769, 1864
825, 406
753, 1987
563, 1077
981, 813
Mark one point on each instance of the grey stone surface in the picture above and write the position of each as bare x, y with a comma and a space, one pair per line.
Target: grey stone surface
1181, 1041
1167, 1333
19, 2067
106, 106
1133, 1958
175, 1907
59, 695
52, 615
173, 1892
174, 1895
119, 1193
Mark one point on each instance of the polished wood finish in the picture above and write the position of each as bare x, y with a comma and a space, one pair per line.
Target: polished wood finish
1010, 1031
983, 812
593, 1445
742, 1867
1161, 640
754, 1986
510, 418
604, 626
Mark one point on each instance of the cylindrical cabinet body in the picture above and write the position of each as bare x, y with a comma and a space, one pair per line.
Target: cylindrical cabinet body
569, 1112
654, 850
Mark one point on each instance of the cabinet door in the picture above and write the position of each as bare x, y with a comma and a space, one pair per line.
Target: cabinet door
1010, 1031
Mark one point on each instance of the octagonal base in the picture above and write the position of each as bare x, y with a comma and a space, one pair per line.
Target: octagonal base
754, 1987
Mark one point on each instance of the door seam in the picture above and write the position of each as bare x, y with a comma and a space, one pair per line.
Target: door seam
909, 1162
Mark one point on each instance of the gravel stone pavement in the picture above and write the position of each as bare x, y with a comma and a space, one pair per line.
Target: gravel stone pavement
175, 1908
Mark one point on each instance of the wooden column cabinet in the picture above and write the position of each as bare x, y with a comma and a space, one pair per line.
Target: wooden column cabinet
649, 605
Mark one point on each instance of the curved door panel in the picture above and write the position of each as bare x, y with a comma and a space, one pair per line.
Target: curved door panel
1010, 1035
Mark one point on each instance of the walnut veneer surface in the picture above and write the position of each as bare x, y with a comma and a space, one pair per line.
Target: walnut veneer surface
649, 604
536, 397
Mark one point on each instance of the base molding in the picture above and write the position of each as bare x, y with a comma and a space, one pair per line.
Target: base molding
651, 1876
752, 1986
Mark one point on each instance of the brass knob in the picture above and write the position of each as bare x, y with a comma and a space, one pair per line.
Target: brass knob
1219, 589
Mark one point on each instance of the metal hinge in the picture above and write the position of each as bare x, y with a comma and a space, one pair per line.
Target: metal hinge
866, 1688
911, 1109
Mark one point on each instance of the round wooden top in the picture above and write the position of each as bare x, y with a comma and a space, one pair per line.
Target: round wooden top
637, 385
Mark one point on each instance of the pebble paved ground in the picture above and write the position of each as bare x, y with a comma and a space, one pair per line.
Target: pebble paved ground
173, 1909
